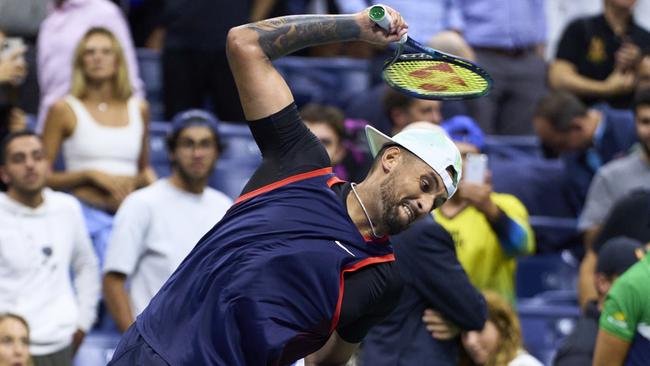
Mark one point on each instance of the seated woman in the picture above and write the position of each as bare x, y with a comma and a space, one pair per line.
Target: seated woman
14, 341
499, 343
102, 130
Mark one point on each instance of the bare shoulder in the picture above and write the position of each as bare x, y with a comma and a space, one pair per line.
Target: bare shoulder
61, 115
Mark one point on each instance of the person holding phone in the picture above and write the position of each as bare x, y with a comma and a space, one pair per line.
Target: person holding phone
489, 229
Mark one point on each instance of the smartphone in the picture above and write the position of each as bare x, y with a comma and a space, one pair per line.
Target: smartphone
475, 168
10, 45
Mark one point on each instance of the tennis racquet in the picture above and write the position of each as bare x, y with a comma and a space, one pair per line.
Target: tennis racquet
430, 74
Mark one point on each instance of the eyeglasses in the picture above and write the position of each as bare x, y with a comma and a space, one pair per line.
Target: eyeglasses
189, 145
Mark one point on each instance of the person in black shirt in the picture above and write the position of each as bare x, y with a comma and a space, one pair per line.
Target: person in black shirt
598, 56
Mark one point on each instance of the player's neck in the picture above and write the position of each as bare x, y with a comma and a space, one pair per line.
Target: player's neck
360, 207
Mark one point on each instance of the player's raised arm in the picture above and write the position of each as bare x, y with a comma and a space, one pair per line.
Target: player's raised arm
252, 47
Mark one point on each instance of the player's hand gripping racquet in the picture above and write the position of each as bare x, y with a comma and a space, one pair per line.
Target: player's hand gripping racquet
430, 74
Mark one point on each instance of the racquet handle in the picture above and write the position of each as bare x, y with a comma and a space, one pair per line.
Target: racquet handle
381, 17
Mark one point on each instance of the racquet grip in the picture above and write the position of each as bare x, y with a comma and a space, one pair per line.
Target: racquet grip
381, 17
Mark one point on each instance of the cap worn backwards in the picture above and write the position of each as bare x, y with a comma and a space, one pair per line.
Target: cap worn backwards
194, 117
432, 146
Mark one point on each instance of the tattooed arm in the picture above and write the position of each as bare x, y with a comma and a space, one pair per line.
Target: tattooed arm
251, 48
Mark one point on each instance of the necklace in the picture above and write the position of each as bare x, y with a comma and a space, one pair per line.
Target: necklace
102, 107
372, 227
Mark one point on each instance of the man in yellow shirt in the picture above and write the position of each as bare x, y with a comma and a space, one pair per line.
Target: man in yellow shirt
489, 229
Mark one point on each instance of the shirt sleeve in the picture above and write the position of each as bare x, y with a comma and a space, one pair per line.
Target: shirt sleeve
288, 148
621, 310
127, 240
427, 260
455, 17
570, 48
512, 228
598, 203
85, 269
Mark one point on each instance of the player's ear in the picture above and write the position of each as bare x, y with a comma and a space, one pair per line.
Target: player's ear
391, 158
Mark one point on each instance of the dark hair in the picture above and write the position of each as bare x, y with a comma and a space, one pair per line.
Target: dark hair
560, 108
329, 115
394, 99
9, 138
641, 98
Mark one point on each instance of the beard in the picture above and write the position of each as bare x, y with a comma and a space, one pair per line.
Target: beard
191, 178
390, 216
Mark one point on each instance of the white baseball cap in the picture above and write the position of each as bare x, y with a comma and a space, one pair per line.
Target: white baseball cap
431, 144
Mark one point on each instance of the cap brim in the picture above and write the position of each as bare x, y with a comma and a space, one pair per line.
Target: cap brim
376, 139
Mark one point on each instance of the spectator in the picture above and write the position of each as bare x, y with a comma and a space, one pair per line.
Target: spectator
607, 188
433, 279
157, 226
195, 42
597, 55
508, 38
22, 19
623, 328
499, 343
43, 241
101, 129
615, 257
60, 33
12, 71
14, 345
586, 138
403, 110
327, 123
489, 229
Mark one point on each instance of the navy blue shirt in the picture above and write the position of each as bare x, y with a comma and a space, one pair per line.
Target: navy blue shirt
434, 279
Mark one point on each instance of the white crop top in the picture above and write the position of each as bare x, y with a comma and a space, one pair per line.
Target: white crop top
113, 150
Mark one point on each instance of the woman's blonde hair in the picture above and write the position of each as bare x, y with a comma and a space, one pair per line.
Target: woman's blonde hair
20, 319
501, 314
121, 83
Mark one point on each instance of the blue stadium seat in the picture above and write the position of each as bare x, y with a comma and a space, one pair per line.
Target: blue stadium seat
150, 68
330, 80
512, 147
544, 326
158, 149
97, 349
545, 272
238, 161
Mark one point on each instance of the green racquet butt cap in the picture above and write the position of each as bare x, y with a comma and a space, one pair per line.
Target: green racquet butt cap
377, 13
431, 144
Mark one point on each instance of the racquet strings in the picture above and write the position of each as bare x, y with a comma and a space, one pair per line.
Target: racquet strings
435, 78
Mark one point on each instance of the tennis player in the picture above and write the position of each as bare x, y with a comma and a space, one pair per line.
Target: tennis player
301, 264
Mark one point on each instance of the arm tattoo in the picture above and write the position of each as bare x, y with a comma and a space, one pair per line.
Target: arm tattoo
284, 35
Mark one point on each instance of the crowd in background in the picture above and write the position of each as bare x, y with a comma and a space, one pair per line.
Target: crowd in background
82, 195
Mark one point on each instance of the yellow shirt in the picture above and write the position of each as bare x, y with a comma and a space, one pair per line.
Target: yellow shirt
479, 248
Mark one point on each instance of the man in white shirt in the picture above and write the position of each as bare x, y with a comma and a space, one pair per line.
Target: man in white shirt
156, 227
42, 240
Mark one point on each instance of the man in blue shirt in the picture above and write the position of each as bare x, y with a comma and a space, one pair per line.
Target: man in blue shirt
300, 265
586, 138
508, 37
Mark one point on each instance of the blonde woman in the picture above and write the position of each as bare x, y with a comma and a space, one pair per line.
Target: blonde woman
101, 129
499, 343
14, 341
